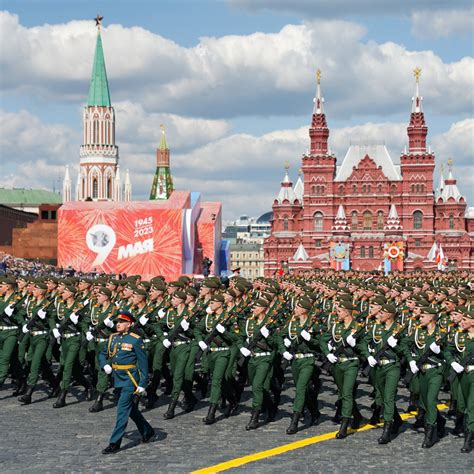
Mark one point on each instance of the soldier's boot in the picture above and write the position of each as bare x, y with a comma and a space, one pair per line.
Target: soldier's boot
430, 436
412, 403
467, 448
20, 389
98, 404
253, 423
459, 424
420, 419
89, 390
440, 425
61, 401
337, 416
452, 407
204, 385
375, 419
223, 403
169, 414
270, 407
152, 397
387, 431
232, 406
26, 397
342, 433
210, 418
293, 428
190, 402
314, 413
397, 422
356, 417
111, 448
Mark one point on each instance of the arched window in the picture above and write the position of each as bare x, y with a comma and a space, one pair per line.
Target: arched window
417, 220
364, 188
354, 221
413, 189
362, 252
109, 188
83, 188
285, 222
341, 189
369, 188
313, 189
379, 188
318, 222
380, 220
354, 188
451, 221
95, 188
371, 251
367, 220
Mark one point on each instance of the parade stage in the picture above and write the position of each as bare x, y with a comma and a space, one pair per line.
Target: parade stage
146, 238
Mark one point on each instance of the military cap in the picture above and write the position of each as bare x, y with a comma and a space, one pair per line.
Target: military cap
267, 296
180, 294
332, 286
113, 282
231, 292
345, 297
429, 310
126, 315
71, 289
140, 292
311, 295
271, 290
158, 285
193, 292
176, 284
210, 283
105, 291
184, 279
389, 308
452, 299
10, 281
84, 280
21, 277
347, 305
219, 298
408, 288
261, 303
158, 277
51, 279
460, 309
379, 300
145, 284
39, 284
469, 314
305, 304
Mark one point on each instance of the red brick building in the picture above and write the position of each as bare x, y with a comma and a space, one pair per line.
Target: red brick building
367, 201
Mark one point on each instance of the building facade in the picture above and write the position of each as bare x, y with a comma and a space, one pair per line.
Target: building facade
249, 258
367, 202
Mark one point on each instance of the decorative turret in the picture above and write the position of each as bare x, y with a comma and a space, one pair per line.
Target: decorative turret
67, 186
440, 188
450, 189
127, 189
340, 221
286, 194
417, 129
393, 221
162, 186
118, 185
299, 188
301, 255
319, 132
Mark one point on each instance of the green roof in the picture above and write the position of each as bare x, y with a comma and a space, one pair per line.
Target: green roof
28, 196
99, 88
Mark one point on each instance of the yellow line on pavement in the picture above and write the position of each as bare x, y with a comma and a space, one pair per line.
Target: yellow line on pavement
237, 462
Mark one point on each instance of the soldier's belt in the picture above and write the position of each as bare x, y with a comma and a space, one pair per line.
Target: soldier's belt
469, 368
303, 356
67, 336
146, 340
261, 354
430, 366
101, 339
386, 361
6, 328
38, 333
179, 343
123, 367
218, 349
346, 359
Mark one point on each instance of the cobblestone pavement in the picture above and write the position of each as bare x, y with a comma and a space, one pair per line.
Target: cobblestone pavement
38, 438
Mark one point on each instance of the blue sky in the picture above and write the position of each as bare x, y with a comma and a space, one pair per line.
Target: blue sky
232, 78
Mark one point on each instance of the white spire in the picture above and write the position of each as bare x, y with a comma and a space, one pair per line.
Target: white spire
78, 186
340, 221
441, 182
417, 99
286, 191
340, 212
318, 100
127, 188
450, 189
299, 189
393, 221
301, 254
393, 214
67, 186
118, 185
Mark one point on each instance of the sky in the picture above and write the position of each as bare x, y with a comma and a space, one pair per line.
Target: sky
233, 82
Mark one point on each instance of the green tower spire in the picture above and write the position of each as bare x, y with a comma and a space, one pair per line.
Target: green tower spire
162, 185
99, 88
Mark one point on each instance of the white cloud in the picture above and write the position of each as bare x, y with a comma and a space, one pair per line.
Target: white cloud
442, 23
457, 143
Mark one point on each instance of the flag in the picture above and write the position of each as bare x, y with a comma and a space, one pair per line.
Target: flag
440, 258
432, 253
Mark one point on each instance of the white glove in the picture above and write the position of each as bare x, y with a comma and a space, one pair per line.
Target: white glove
331, 358
9, 310
143, 320
25, 329
56, 333
372, 361
351, 340
458, 368
86, 302
184, 325
140, 390
208, 310
435, 348
330, 346
89, 336
413, 367
74, 318
108, 322
287, 355
220, 328
305, 335
166, 343
107, 369
202, 345
264, 331
42, 313
245, 352
392, 342
161, 313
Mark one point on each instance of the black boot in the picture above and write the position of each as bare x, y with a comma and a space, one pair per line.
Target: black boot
20, 388
452, 407
430, 436
253, 423
152, 397
26, 397
232, 406
337, 416
210, 419
397, 422
314, 413
89, 390
61, 401
458, 424
412, 405
189, 403
375, 419
270, 407
356, 417
98, 404
342, 433
420, 419
440, 425
387, 430
169, 414
111, 448
203, 385
293, 428
467, 448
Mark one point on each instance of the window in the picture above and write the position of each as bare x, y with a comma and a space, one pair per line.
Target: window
364, 188
362, 252
285, 222
380, 220
95, 188
44, 215
417, 242
379, 188
451, 221
369, 188
341, 189
367, 220
354, 188
317, 243
354, 222
371, 251
109, 188
53, 215
318, 222
417, 220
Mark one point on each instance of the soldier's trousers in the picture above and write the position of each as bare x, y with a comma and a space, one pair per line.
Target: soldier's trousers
179, 357
69, 355
457, 393
102, 377
378, 397
302, 370
345, 375
259, 374
126, 408
36, 356
8, 354
218, 362
386, 380
467, 386
430, 385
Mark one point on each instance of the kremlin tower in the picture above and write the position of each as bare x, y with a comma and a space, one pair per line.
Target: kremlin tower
162, 186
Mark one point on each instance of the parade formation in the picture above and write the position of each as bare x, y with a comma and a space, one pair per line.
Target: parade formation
212, 338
